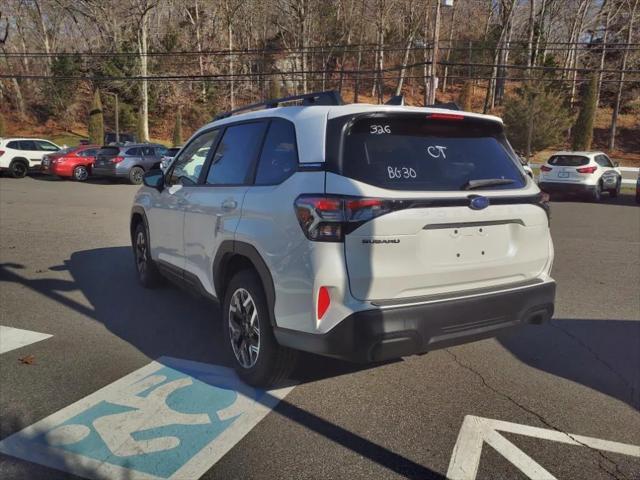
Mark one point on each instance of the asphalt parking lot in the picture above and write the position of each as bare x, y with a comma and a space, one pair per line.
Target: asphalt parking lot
560, 400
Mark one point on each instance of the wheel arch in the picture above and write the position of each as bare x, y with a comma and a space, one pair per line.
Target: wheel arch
233, 256
138, 215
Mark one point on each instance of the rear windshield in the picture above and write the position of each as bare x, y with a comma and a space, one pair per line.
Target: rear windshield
109, 151
568, 160
414, 152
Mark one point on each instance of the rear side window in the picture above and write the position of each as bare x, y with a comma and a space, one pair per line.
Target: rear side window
15, 145
46, 146
568, 160
134, 152
279, 157
28, 145
603, 161
416, 152
236, 154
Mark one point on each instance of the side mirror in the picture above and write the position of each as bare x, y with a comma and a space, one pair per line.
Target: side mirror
154, 179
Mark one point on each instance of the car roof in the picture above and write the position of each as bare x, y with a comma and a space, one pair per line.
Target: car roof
312, 119
578, 153
11, 139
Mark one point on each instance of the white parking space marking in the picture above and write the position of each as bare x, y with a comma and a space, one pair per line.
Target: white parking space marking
475, 431
171, 419
12, 338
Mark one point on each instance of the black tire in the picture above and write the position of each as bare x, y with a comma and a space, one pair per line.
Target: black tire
616, 191
272, 363
148, 274
135, 175
80, 173
18, 169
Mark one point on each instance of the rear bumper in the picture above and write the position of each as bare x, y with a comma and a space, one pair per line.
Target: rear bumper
569, 188
386, 333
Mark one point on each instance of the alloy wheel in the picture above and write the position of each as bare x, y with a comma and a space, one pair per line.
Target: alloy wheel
244, 328
81, 173
141, 253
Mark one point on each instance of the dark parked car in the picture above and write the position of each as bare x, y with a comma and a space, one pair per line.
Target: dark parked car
128, 161
110, 138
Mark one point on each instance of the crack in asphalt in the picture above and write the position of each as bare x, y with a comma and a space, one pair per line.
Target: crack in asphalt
634, 402
617, 474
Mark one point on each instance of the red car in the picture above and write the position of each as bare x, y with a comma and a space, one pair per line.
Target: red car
75, 162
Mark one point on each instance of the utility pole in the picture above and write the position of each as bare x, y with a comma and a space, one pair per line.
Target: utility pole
117, 114
433, 80
434, 56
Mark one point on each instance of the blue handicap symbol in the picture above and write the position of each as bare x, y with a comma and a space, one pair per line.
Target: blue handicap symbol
154, 425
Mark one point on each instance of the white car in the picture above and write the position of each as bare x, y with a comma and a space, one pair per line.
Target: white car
588, 174
362, 232
19, 155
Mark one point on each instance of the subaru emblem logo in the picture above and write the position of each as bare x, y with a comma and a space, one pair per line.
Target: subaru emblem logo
476, 202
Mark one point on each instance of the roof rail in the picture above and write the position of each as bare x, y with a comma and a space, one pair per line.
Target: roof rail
329, 97
447, 106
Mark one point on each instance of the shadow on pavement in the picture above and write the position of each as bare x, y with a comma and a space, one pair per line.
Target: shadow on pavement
170, 322
601, 354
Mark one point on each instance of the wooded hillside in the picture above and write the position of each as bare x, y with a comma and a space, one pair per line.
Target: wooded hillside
525, 58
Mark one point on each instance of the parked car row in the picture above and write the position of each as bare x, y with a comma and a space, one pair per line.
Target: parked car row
129, 161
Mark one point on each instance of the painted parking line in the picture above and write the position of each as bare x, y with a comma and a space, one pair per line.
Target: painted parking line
476, 431
171, 419
12, 338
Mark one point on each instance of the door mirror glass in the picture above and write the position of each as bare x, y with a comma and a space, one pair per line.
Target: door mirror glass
154, 179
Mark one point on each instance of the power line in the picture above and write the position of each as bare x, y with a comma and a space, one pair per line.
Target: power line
352, 48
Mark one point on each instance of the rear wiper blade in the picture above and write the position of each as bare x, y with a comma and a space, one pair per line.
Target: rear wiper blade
485, 182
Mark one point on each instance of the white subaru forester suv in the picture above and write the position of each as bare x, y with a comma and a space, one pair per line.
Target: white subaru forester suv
361, 232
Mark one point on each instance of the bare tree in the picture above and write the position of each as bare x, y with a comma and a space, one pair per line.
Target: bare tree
633, 6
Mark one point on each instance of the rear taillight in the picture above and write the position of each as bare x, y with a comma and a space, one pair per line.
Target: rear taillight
591, 169
544, 168
117, 159
324, 300
330, 218
1, 152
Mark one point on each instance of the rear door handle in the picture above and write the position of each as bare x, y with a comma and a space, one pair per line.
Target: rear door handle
228, 205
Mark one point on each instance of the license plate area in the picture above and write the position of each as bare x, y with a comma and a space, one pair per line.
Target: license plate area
470, 243
563, 174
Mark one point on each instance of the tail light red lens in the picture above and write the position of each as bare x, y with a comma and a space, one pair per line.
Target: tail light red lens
324, 301
591, 169
1, 152
117, 160
544, 168
329, 218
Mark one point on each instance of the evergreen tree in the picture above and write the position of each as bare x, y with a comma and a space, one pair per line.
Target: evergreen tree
177, 130
3, 127
583, 128
96, 120
466, 96
536, 118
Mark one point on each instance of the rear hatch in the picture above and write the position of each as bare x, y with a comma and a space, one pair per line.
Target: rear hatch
564, 169
105, 156
457, 212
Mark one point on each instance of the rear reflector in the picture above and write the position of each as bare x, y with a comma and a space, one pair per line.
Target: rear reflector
544, 168
324, 300
591, 169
